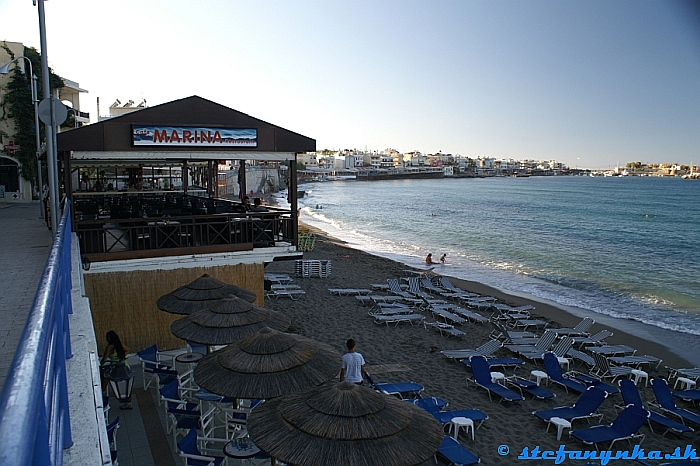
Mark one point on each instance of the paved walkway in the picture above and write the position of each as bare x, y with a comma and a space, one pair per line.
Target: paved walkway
26, 242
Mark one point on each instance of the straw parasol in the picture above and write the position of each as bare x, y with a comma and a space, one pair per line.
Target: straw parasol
267, 364
200, 294
344, 424
228, 320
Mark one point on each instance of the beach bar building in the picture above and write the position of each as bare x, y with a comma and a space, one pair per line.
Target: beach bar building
148, 216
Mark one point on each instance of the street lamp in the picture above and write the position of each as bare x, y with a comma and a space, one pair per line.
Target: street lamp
5, 69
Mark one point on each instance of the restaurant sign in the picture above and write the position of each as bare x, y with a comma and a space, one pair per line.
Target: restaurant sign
194, 136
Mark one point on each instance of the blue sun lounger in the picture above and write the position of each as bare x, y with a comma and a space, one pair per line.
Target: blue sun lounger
532, 388
435, 406
499, 362
665, 401
455, 453
630, 396
403, 390
624, 427
551, 365
482, 377
585, 407
691, 395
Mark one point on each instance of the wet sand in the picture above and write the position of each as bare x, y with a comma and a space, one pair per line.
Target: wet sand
412, 353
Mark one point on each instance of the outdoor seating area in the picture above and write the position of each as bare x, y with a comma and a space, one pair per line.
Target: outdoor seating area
130, 225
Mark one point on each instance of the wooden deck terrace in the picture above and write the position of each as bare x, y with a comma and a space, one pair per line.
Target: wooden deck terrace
118, 226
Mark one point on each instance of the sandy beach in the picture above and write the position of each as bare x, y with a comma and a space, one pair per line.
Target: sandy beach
412, 353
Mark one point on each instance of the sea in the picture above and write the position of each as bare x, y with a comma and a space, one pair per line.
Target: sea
624, 250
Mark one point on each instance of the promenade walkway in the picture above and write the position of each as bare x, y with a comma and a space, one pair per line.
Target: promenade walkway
141, 439
26, 242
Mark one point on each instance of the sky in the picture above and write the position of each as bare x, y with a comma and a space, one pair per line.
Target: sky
588, 83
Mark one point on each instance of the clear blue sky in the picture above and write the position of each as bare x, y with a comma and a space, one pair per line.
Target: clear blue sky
589, 83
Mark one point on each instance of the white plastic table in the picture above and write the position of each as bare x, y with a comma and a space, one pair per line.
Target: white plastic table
464, 422
561, 425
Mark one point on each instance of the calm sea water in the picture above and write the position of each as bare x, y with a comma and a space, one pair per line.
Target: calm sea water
624, 247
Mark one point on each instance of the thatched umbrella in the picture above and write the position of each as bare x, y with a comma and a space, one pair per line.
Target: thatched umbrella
199, 295
344, 424
229, 319
267, 364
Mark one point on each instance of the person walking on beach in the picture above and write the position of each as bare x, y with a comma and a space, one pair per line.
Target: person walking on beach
353, 366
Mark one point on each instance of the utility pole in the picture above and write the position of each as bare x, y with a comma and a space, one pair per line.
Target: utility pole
51, 154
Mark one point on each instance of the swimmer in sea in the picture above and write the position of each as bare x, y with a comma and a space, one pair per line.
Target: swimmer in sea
443, 258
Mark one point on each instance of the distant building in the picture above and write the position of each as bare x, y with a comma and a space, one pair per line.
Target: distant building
119, 109
17, 188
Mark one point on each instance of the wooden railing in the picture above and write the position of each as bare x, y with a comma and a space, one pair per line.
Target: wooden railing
111, 239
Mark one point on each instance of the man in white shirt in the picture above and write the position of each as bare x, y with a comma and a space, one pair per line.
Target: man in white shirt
353, 367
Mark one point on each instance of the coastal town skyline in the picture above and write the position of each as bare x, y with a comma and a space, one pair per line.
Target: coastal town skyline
590, 84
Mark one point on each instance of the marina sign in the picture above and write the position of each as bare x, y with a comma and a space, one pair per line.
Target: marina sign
193, 136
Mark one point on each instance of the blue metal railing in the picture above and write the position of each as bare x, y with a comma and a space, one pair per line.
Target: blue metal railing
34, 416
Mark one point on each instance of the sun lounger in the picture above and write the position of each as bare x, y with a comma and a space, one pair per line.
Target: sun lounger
428, 285
581, 357
485, 350
412, 319
526, 323
603, 369
510, 309
559, 349
551, 365
482, 377
403, 390
436, 407
395, 288
390, 311
476, 304
444, 329
499, 362
693, 373
460, 311
581, 329
692, 395
293, 294
665, 401
385, 299
596, 339
636, 361
447, 315
594, 382
277, 278
542, 345
349, 291
612, 350
510, 335
447, 284
414, 289
455, 453
624, 427
285, 286
530, 387
586, 407
630, 396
